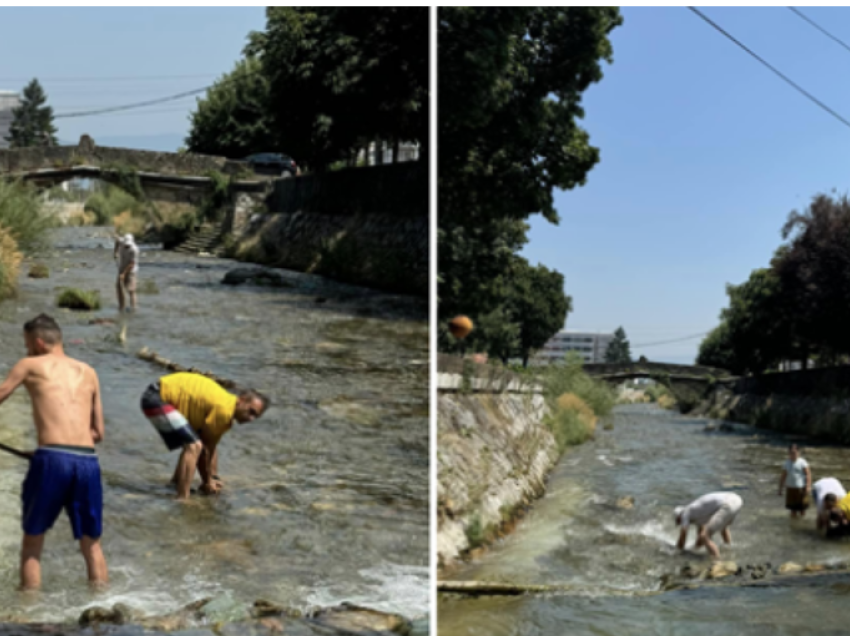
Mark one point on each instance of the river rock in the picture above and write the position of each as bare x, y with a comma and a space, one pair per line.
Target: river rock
790, 568
254, 276
118, 615
814, 567
352, 619
225, 609
626, 503
723, 568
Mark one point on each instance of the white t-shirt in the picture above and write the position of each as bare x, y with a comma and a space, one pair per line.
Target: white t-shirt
826, 486
127, 253
701, 510
796, 477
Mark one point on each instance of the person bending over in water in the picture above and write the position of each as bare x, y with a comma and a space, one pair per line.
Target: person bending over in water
821, 489
834, 520
192, 412
64, 471
797, 480
711, 513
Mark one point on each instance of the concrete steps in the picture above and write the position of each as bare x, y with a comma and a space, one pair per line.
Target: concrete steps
205, 239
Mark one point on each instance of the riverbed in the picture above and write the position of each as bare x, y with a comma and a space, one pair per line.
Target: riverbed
576, 534
326, 496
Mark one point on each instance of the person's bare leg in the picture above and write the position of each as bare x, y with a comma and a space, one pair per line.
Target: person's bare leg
31, 561
709, 545
120, 289
186, 468
95, 561
132, 296
727, 536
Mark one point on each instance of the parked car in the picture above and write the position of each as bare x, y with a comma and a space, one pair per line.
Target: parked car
274, 163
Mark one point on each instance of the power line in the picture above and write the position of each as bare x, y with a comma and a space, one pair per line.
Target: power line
135, 78
819, 27
150, 102
663, 342
772, 68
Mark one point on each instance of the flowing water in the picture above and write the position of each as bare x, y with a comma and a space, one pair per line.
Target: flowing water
326, 496
577, 534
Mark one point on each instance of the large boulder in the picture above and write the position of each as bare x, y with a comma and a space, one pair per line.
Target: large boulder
255, 276
351, 619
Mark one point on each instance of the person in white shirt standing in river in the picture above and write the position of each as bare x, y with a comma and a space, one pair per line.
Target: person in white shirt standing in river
797, 480
711, 513
127, 253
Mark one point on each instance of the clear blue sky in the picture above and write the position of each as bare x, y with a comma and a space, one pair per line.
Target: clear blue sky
704, 152
72, 50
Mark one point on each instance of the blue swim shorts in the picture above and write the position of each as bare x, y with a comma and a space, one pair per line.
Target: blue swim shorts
63, 477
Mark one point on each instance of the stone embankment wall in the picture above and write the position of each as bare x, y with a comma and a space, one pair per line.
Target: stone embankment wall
367, 226
494, 453
814, 403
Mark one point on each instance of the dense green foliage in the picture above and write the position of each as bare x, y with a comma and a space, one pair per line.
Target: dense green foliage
569, 377
510, 87
232, 119
321, 83
23, 215
796, 309
32, 121
618, 351
78, 300
111, 201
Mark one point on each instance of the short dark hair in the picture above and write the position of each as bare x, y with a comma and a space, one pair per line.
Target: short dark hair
253, 393
830, 498
44, 327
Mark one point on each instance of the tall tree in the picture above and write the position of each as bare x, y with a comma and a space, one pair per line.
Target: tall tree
32, 121
510, 85
232, 119
539, 306
618, 350
342, 77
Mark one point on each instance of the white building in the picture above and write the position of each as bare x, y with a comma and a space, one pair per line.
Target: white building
591, 347
8, 101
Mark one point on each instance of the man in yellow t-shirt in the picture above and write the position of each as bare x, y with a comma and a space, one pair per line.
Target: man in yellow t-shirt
835, 518
192, 412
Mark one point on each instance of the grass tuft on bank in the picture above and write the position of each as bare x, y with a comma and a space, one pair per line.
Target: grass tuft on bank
79, 300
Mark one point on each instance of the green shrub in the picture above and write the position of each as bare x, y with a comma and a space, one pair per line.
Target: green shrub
24, 216
475, 535
568, 377
79, 300
568, 428
39, 270
111, 202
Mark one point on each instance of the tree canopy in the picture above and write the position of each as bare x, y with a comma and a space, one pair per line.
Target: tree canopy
32, 121
510, 87
618, 350
328, 82
796, 309
232, 118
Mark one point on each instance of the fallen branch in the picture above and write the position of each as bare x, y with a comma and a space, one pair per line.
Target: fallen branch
489, 588
151, 356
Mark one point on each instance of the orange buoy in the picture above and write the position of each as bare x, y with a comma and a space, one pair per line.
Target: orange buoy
460, 327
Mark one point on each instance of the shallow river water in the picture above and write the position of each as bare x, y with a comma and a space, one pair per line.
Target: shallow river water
326, 496
575, 534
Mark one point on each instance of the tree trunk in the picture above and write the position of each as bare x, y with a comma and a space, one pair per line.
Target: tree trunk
379, 153
396, 148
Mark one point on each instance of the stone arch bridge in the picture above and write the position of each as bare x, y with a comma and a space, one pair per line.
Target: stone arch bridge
181, 179
681, 376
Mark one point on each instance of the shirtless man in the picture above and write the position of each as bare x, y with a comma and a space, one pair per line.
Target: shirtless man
711, 513
64, 470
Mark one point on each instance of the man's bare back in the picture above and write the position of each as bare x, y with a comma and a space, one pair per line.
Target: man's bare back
64, 472
65, 400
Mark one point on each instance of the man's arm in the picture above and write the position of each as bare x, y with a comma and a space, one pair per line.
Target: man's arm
808, 479
782, 480
97, 429
683, 537
16, 378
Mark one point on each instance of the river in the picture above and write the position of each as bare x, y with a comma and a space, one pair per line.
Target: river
326, 496
575, 534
